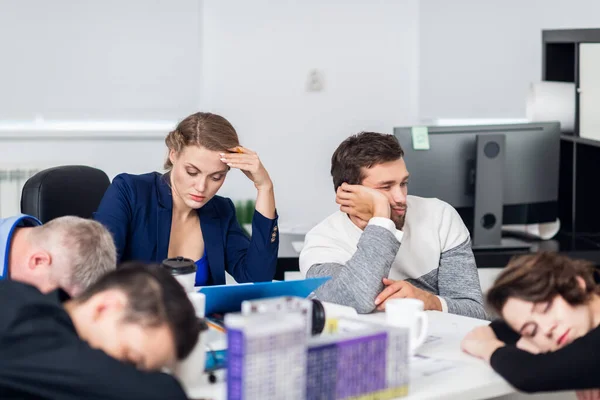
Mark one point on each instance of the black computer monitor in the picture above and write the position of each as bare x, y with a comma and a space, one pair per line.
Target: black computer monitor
491, 174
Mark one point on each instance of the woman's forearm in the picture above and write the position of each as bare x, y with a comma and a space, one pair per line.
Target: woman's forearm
265, 202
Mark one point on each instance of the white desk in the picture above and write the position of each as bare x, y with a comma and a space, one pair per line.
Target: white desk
472, 379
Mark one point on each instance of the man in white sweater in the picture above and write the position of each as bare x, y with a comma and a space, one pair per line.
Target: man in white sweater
384, 244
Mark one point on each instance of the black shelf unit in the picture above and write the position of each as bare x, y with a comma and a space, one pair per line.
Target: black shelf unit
560, 58
580, 140
579, 196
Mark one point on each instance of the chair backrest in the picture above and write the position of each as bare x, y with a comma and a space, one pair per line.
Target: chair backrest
66, 190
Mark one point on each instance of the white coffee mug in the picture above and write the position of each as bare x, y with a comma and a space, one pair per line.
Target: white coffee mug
199, 302
190, 371
408, 313
187, 281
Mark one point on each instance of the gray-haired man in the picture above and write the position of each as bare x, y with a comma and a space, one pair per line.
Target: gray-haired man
68, 252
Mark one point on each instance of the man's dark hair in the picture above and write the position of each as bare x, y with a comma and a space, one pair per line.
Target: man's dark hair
540, 277
362, 150
154, 298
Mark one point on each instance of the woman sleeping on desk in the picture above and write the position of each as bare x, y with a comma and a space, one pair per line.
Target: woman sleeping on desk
154, 216
550, 340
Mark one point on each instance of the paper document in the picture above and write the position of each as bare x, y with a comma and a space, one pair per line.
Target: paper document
423, 366
431, 339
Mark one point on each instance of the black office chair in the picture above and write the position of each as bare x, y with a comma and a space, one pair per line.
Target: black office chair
66, 190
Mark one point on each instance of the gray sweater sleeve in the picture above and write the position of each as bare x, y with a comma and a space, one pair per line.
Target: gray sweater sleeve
360, 280
458, 282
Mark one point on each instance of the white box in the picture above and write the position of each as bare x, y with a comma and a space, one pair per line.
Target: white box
589, 86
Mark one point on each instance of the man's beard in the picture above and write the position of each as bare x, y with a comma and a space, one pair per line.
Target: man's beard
399, 219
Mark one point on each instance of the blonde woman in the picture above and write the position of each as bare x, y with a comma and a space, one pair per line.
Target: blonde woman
154, 216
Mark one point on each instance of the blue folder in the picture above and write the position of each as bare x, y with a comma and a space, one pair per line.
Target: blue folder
228, 298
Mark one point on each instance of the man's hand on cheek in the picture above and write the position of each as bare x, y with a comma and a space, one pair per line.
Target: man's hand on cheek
404, 290
362, 224
362, 202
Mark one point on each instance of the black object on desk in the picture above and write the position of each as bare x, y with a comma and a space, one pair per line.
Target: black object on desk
574, 246
586, 247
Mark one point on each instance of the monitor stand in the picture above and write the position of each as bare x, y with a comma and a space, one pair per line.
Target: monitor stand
489, 196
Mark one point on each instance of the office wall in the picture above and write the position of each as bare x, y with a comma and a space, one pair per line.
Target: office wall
90, 60
478, 57
121, 152
87, 61
256, 59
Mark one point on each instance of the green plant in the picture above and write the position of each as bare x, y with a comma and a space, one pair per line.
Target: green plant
244, 211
